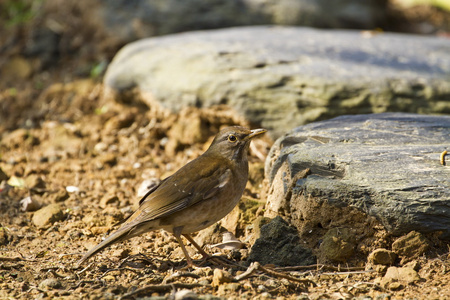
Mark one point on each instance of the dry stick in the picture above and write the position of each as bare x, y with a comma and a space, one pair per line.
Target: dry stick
320, 267
250, 270
257, 267
162, 288
12, 259
135, 257
348, 272
85, 269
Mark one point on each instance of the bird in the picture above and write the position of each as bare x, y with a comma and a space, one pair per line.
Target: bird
196, 196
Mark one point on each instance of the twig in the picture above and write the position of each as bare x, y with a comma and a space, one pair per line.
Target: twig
348, 272
320, 267
85, 269
136, 257
11, 259
283, 275
161, 288
250, 270
257, 267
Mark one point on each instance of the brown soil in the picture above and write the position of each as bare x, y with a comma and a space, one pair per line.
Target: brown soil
58, 130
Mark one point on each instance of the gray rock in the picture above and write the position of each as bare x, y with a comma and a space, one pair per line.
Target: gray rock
386, 165
283, 77
128, 20
279, 244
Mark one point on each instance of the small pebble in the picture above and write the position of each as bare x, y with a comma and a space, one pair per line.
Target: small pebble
72, 189
50, 283
185, 295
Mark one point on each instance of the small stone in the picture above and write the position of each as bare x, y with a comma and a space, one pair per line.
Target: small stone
395, 286
411, 246
100, 147
221, 277
29, 204
48, 215
122, 253
108, 200
50, 283
185, 295
338, 244
381, 269
35, 181
109, 278
261, 288
109, 159
415, 265
120, 121
382, 257
60, 196
72, 189
405, 274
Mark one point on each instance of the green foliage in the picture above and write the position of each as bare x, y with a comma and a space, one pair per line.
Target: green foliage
443, 4
98, 69
17, 12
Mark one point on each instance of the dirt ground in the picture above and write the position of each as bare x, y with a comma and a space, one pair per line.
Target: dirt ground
66, 146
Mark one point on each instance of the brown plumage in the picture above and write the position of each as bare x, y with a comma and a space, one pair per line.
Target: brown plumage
196, 196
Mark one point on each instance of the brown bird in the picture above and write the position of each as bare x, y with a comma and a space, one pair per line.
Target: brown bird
198, 195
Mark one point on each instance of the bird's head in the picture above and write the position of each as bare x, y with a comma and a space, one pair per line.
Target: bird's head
233, 142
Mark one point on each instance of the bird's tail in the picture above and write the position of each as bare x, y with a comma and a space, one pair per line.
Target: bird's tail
121, 234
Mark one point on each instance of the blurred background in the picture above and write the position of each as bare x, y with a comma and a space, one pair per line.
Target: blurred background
57, 41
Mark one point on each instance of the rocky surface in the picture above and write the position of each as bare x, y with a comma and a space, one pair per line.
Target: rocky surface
280, 245
385, 165
130, 20
283, 77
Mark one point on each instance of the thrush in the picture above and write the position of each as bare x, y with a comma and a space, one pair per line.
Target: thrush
198, 195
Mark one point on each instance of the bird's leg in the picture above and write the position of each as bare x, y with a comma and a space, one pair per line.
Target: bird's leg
186, 254
215, 259
197, 246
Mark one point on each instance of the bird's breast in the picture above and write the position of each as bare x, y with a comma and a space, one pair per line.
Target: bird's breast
209, 211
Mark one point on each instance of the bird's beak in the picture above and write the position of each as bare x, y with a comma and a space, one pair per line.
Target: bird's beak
254, 133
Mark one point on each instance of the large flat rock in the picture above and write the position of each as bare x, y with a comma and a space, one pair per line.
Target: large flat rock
283, 77
386, 165
128, 20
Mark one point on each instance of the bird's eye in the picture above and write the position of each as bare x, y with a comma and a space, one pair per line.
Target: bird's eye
232, 138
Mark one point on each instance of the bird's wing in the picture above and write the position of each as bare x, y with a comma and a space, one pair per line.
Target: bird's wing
181, 190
